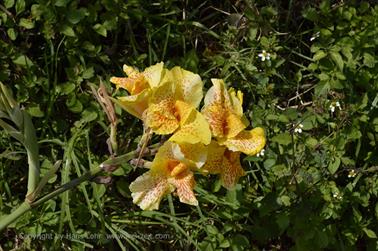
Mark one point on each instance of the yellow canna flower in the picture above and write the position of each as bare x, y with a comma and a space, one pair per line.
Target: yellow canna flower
224, 162
139, 85
169, 171
172, 108
223, 110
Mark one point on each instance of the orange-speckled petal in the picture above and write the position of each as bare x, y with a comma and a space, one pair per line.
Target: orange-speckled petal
184, 183
216, 116
130, 71
249, 142
148, 190
231, 169
136, 104
154, 74
162, 159
194, 130
193, 155
215, 156
160, 117
234, 125
188, 86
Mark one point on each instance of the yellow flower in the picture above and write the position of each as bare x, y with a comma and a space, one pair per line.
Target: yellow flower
223, 110
224, 162
139, 85
172, 108
169, 171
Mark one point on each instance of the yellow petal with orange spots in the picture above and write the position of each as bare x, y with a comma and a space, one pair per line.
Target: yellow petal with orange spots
193, 155
249, 142
148, 190
234, 125
162, 158
160, 117
154, 74
136, 104
184, 184
195, 129
214, 161
234, 101
188, 86
133, 85
129, 70
231, 169
215, 115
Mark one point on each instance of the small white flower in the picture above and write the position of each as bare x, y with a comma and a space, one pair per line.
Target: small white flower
316, 35
332, 108
352, 173
261, 153
264, 55
298, 128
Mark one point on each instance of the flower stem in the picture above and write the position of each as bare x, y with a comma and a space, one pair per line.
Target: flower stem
27, 205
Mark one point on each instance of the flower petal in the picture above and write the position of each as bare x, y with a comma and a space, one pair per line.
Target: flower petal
231, 169
160, 117
154, 74
249, 142
194, 129
193, 155
135, 104
215, 115
188, 86
148, 190
185, 183
215, 156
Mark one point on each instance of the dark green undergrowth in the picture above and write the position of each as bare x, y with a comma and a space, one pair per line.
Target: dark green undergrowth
316, 186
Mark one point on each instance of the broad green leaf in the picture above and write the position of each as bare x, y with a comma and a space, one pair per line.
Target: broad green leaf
336, 57
23, 60
370, 233
26, 23
282, 138
20, 6
369, 60
12, 34
319, 55
61, 3
8, 3
100, 29
35, 111
239, 243
75, 16
334, 165
67, 30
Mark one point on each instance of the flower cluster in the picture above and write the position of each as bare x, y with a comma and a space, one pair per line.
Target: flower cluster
209, 141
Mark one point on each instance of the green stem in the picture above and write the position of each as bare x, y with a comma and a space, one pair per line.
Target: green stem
26, 206
23, 208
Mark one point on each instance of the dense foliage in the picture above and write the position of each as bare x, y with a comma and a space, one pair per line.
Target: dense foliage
315, 93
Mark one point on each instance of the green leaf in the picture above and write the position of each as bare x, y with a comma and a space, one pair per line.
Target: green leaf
369, 60
100, 29
319, 55
336, 57
23, 60
20, 6
75, 16
26, 23
239, 243
88, 73
334, 165
12, 34
8, 3
282, 139
269, 163
61, 3
67, 30
35, 111
370, 233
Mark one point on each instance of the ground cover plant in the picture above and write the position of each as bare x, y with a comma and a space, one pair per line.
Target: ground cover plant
70, 146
